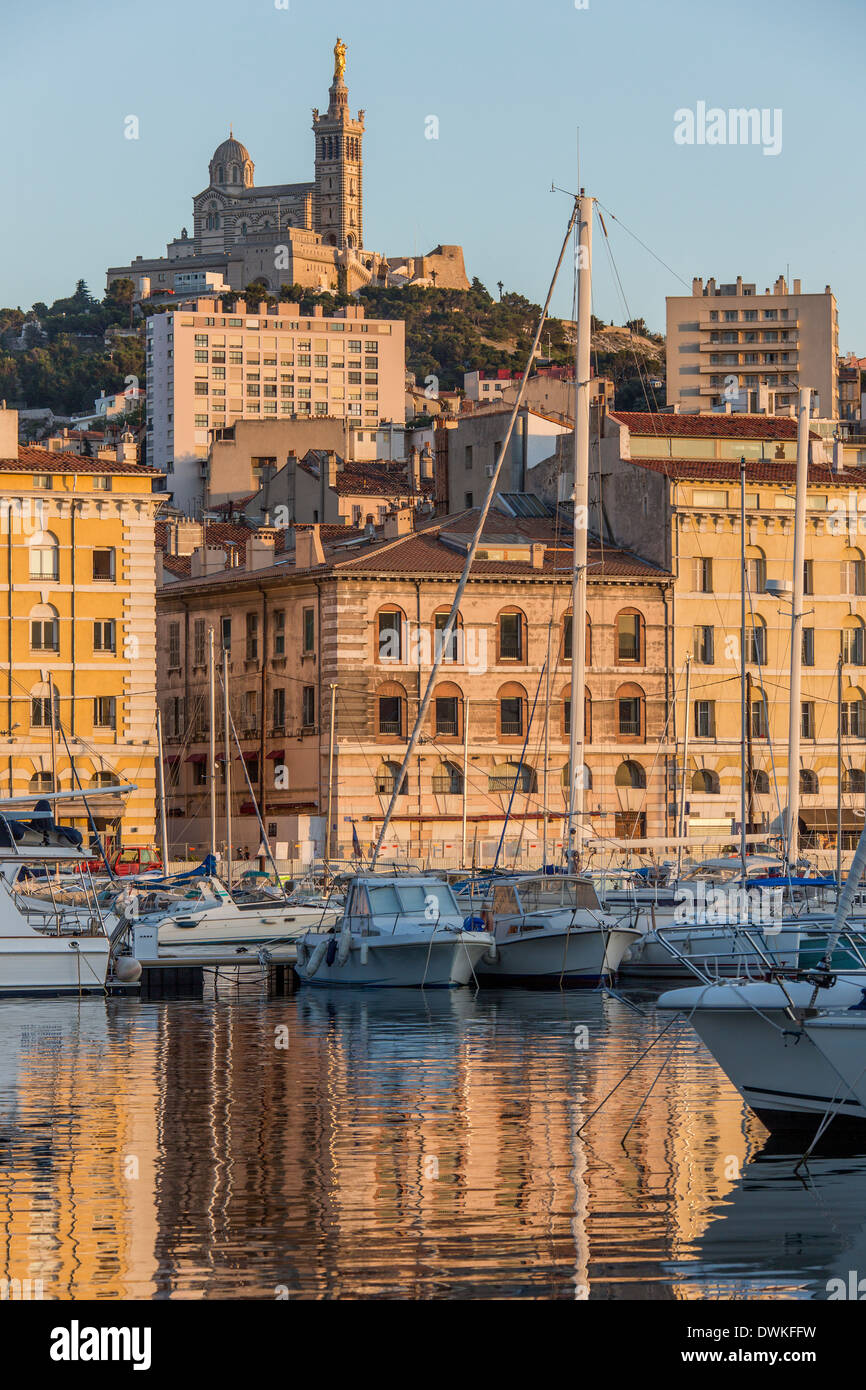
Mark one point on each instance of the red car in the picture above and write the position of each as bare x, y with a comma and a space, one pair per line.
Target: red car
138, 859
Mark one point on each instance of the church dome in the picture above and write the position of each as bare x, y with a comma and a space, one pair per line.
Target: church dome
231, 164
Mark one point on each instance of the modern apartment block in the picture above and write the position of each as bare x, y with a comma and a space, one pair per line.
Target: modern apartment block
671, 484
208, 366
729, 347
78, 674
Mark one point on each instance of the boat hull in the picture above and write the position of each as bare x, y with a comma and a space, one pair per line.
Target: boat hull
715, 950
550, 956
397, 962
53, 964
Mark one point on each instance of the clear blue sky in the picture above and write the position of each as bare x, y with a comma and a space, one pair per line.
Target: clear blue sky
510, 82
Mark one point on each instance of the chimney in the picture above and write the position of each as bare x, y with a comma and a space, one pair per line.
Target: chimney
697, 286
331, 469
127, 449
427, 463
536, 555
414, 469
8, 433
308, 548
797, 287
398, 523
207, 559
259, 551
838, 455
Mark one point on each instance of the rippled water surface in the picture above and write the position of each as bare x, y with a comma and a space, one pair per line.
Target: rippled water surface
396, 1144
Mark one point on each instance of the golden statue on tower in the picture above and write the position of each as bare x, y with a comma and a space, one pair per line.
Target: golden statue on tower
339, 60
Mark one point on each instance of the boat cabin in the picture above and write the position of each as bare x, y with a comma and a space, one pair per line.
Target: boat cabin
380, 906
530, 904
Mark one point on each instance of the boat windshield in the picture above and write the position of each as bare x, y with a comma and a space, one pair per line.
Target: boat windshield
414, 897
554, 895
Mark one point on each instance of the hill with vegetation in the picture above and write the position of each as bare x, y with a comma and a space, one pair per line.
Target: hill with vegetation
56, 356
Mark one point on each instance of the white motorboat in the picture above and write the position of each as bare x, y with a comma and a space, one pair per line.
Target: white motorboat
48, 948
550, 929
794, 1050
206, 916
396, 931
720, 950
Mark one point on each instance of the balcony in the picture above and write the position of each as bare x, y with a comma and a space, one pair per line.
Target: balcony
447, 728
393, 727
630, 727
511, 728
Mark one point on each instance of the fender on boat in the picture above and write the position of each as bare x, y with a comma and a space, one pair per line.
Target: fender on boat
345, 945
317, 957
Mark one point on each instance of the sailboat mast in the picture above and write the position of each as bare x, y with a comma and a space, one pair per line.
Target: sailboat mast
795, 708
227, 754
581, 522
163, 823
211, 711
744, 709
838, 776
682, 819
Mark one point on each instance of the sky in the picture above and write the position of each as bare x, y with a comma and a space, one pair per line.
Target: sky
516, 88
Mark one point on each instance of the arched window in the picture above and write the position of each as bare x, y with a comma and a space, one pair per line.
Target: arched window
808, 782
44, 556
391, 635
566, 778
705, 782
759, 719
221, 174
629, 638
453, 650
505, 775
853, 644
41, 782
235, 178
756, 642
448, 780
760, 782
587, 714
391, 710
243, 229
447, 711
44, 628
511, 635
631, 712
756, 569
854, 781
512, 704
853, 571
630, 774
854, 712
40, 706
386, 780
566, 640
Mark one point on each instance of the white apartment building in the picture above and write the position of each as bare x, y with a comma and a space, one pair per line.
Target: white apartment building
208, 366
731, 348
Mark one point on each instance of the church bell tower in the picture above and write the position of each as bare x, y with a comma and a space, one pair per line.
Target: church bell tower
338, 201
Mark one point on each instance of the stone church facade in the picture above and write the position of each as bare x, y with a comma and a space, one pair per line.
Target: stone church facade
310, 234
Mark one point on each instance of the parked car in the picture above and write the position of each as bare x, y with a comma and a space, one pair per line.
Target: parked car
137, 859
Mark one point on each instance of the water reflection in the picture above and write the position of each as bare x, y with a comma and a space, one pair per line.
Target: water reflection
400, 1144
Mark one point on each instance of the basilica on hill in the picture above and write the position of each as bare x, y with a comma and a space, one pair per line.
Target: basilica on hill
310, 234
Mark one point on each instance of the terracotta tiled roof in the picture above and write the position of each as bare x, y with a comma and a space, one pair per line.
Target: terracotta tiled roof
356, 479
44, 461
757, 471
708, 426
180, 565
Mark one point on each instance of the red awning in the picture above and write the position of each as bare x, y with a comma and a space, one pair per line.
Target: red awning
173, 758
250, 757
197, 758
276, 756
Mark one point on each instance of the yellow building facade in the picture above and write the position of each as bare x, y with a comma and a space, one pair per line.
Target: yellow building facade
78, 673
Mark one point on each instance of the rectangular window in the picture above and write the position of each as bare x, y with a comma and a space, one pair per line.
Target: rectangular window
103, 565
45, 635
309, 630
280, 632
308, 706
174, 646
104, 636
40, 711
279, 709
105, 712
390, 637
226, 634
102, 482
44, 562
808, 646
467, 457
853, 649
390, 715
510, 637
705, 718
759, 719
449, 650
808, 577
43, 480
628, 637
756, 645
511, 716
252, 637
447, 716
199, 654
629, 716
704, 645
468, 501
251, 712
807, 719
704, 574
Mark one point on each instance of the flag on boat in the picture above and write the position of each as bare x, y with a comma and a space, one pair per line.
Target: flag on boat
356, 843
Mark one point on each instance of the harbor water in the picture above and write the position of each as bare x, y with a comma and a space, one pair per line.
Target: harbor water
388, 1145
